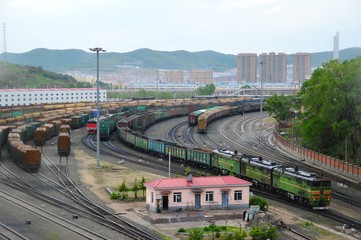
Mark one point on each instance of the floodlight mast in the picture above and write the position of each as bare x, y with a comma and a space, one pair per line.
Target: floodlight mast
97, 50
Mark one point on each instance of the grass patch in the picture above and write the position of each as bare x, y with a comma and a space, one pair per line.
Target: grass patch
311, 227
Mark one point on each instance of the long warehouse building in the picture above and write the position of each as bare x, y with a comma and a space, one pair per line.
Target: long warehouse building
21, 97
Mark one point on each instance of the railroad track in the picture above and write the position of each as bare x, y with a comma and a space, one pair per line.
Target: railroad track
95, 211
146, 161
10, 179
251, 143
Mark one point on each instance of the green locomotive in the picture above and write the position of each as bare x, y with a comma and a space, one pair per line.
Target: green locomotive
305, 188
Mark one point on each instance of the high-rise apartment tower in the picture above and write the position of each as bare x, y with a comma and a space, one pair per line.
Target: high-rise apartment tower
273, 68
246, 67
301, 67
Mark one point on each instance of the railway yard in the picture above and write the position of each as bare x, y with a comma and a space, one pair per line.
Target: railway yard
67, 197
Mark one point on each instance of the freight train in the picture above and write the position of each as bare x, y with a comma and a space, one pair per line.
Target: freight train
16, 135
305, 188
26, 119
108, 124
193, 116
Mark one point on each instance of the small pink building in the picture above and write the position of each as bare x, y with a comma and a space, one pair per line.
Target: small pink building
192, 193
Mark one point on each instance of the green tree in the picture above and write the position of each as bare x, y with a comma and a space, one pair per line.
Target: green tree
332, 110
123, 188
142, 186
206, 90
135, 187
187, 170
264, 232
196, 234
282, 107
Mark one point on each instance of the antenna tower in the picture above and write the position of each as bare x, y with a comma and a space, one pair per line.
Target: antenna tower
5, 52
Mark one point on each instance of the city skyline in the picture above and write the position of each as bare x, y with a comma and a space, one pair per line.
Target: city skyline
230, 26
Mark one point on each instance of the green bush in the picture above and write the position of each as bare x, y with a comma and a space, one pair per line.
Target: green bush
114, 195
264, 232
255, 200
181, 230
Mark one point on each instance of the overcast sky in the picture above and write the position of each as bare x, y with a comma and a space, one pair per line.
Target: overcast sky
226, 26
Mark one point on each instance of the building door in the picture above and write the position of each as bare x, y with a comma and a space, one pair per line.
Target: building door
224, 200
197, 201
165, 202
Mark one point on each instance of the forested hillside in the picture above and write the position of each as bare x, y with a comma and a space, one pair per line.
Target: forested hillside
16, 76
79, 60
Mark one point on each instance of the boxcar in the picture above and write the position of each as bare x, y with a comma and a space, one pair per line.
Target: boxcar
64, 144
156, 146
76, 122
177, 153
105, 128
193, 117
199, 157
4, 132
40, 136
141, 142
130, 139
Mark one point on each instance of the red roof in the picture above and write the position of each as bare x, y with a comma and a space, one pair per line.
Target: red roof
46, 89
212, 181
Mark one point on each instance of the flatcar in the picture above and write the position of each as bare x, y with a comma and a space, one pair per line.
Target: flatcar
25, 156
193, 116
209, 116
64, 144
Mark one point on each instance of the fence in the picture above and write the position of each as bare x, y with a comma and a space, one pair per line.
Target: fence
321, 159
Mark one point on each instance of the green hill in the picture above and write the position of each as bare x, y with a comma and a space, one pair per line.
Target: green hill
16, 76
74, 59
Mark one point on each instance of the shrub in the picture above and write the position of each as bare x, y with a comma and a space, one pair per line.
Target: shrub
114, 195
255, 200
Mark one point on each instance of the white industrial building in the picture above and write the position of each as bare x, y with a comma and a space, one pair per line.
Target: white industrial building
19, 97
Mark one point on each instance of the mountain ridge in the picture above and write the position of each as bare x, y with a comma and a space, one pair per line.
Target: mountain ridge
80, 60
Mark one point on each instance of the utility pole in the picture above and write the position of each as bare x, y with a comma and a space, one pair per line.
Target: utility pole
157, 83
261, 79
5, 51
97, 50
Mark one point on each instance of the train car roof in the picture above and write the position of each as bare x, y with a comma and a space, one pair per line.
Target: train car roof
95, 119
300, 173
261, 162
226, 152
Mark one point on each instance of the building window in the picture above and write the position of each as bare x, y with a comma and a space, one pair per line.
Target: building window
238, 195
209, 196
177, 197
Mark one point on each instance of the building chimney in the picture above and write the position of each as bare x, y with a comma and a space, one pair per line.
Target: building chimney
190, 178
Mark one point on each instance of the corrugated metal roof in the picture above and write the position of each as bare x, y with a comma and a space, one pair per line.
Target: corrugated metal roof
212, 181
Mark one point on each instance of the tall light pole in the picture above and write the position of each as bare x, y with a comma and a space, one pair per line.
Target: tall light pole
157, 83
261, 107
97, 50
